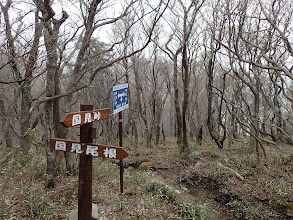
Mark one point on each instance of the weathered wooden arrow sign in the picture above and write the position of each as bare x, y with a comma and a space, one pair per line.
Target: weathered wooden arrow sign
87, 150
95, 150
84, 117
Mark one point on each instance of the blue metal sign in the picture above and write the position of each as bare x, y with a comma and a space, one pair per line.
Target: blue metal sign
120, 98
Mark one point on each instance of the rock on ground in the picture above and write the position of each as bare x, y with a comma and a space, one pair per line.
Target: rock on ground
73, 215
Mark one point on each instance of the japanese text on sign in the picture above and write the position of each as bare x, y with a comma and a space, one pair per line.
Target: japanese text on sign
90, 150
120, 98
95, 150
88, 117
84, 117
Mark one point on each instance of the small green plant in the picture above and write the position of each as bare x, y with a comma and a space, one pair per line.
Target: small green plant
188, 211
161, 190
195, 146
142, 212
43, 208
194, 156
242, 211
173, 154
25, 160
122, 205
104, 169
40, 168
284, 188
136, 176
4, 212
97, 195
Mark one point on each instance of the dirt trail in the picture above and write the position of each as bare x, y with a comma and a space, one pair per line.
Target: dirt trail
205, 190
193, 194
227, 201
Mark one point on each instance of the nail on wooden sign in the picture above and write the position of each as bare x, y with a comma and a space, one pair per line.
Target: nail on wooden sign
84, 117
95, 150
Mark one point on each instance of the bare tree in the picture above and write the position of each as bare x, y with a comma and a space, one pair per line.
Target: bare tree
188, 20
216, 29
20, 55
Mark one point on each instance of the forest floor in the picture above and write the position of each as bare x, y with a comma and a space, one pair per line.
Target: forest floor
212, 183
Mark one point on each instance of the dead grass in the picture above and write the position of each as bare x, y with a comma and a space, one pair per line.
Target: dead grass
266, 181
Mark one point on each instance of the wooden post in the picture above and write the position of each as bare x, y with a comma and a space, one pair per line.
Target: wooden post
121, 145
85, 172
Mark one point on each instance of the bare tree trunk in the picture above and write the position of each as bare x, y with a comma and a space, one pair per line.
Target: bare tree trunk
25, 106
51, 32
163, 133
277, 110
157, 132
234, 129
131, 112
5, 135
140, 107
176, 101
60, 131
254, 129
133, 120
26, 101
184, 147
200, 135
210, 72
210, 100
49, 110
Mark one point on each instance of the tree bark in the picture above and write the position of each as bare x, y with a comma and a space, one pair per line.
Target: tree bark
140, 107
184, 149
51, 32
254, 129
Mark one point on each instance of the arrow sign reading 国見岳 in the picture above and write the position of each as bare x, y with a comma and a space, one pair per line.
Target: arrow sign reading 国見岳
95, 150
120, 98
84, 117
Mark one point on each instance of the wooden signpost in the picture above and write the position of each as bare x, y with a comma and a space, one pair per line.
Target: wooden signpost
87, 150
85, 175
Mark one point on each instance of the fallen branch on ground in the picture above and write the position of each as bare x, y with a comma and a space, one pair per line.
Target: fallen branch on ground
231, 171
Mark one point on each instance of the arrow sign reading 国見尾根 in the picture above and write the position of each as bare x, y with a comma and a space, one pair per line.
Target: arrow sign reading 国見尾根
95, 150
120, 98
84, 117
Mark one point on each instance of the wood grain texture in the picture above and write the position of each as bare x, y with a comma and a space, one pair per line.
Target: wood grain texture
74, 119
